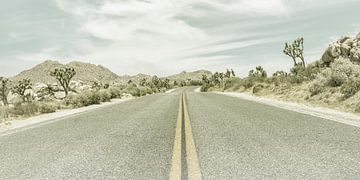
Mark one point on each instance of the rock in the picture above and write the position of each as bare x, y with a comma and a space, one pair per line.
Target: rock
349, 42
13, 98
358, 36
345, 50
334, 50
75, 85
39, 87
346, 47
355, 55
84, 88
331, 53
126, 95
30, 94
59, 95
343, 39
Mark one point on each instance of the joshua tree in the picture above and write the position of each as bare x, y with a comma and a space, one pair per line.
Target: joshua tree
21, 87
142, 81
221, 76
296, 51
166, 83
175, 83
215, 78
4, 90
156, 81
64, 75
258, 72
233, 73
279, 74
205, 79
227, 74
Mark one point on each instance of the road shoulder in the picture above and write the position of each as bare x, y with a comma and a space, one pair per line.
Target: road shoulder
51, 117
325, 113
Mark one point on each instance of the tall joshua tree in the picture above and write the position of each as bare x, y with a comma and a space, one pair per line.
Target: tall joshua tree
64, 75
4, 90
296, 51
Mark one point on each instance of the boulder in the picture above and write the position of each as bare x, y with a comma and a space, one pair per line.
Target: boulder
346, 47
75, 85
59, 95
345, 50
39, 87
355, 55
13, 98
126, 95
85, 88
358, 36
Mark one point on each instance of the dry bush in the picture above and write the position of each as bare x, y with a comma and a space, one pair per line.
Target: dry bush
48, 107
105, 95
25, 109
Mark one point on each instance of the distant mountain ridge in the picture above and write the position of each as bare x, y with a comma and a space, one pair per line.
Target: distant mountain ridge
195, 75
88, 72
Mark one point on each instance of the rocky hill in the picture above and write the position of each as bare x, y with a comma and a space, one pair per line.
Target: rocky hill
85, 72
195, 75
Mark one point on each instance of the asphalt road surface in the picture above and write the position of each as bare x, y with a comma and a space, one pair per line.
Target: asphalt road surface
184, 136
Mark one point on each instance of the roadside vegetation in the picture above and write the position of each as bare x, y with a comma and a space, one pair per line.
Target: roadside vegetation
24, 99
333, 81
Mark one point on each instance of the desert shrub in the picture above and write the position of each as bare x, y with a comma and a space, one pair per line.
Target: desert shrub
133, 90
318, 85
142, 91
91, 97
105, 95
248, 83
315, 89
86, 98
25, 109
47, 107
257, 88
149, 90
4, 112
232, 82
205, 87
336, 79
312, 70
350, 87
115, 92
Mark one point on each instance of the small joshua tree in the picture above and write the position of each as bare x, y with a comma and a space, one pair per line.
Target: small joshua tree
233, 73
259, 72
166, 83
64, 75
21, 87
296, 51
228, 73
4, 90
143, 82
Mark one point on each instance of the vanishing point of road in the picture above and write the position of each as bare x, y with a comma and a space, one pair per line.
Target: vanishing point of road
183, 135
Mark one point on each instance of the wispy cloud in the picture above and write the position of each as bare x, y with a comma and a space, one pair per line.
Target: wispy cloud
164, 37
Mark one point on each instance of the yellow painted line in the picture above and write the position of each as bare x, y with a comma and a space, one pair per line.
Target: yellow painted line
175, 171
192, 160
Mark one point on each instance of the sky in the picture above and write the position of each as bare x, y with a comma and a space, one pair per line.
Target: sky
165, 37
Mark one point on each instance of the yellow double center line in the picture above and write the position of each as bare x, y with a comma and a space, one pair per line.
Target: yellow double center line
192, 162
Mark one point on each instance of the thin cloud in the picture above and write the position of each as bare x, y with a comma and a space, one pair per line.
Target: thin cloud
165, 37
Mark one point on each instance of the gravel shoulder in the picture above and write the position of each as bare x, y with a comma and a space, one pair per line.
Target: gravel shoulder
330, 114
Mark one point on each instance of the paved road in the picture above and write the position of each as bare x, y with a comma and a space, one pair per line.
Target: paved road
233, 138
